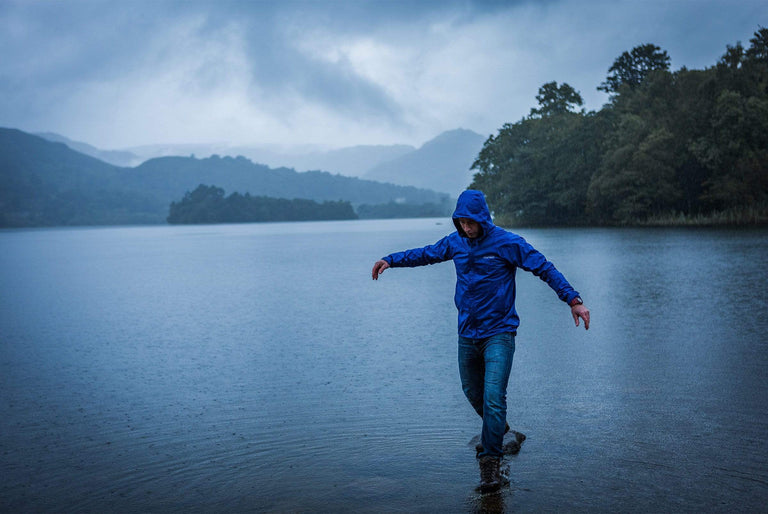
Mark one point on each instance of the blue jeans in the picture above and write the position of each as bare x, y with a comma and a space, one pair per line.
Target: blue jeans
484, 366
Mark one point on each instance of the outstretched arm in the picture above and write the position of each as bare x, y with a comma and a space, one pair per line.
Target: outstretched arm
431, 254
378, 268
580, 311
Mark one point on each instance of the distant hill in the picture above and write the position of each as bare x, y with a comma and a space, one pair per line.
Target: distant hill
43, 183
352, 161
441, 164
116, 157
170, 177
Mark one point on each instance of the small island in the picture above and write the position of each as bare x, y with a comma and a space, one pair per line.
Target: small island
207, 204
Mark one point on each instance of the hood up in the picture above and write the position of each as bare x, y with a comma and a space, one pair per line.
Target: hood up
471, 204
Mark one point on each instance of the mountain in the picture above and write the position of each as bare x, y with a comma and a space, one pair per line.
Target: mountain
43, 183
352, 161
442, 164
170, 177
116, 157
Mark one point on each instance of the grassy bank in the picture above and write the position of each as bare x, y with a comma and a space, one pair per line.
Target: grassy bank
737, 216
733, 217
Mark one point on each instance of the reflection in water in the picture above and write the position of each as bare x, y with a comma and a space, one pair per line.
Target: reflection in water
491, 503
258, 368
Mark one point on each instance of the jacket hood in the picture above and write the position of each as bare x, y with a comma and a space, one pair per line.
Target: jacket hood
471, 204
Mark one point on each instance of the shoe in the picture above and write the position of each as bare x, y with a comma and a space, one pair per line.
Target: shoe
490, 476
479, 446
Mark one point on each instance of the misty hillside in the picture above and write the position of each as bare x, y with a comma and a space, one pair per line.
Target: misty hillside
43, 183
116, 157
352, 161
443, 163
170, 177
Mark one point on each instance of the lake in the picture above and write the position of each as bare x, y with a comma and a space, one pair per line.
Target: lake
258, 368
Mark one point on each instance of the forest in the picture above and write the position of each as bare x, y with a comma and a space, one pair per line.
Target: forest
207, 204
688, 147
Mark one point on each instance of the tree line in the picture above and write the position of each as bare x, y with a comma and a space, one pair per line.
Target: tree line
669, 147
207, 204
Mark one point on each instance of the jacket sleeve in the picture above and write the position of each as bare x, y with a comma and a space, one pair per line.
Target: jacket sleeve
431, 254
525, 256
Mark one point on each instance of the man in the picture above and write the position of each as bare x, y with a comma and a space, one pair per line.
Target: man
486, 258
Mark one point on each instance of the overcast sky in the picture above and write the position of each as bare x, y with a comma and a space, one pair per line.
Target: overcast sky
124, 73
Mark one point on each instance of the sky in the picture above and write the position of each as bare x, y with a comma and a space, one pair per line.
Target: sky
334, 73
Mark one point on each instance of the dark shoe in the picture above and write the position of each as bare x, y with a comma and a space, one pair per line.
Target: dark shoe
490, 476
512, 444
479, 446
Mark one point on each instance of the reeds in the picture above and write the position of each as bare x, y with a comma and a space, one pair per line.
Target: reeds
735, 216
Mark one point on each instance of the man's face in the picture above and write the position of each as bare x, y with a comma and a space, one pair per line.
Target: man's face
470, 227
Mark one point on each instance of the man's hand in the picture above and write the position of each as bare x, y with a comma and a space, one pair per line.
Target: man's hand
380, 266
580, 311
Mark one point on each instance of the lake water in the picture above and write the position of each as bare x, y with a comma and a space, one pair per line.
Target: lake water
257, 367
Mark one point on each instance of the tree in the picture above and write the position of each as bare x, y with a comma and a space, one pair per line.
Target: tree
554, 99
537, 171
735, 151
631, 68
637, 176
733, 57
758, 50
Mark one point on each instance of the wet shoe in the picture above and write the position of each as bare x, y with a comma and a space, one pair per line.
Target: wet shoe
479, 446
490, 476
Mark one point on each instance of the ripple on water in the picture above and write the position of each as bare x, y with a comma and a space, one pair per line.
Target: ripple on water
219, 369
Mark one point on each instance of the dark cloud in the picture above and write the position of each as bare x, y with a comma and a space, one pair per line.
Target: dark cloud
65, 44
115, 72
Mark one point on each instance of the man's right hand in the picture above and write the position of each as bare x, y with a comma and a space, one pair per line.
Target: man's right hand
378, 269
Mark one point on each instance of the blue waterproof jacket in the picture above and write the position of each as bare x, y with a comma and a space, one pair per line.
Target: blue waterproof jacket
485, 269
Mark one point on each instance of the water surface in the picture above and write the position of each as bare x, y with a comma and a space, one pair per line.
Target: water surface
258, 368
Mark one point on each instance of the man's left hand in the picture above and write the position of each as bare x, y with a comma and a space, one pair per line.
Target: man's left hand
580, 311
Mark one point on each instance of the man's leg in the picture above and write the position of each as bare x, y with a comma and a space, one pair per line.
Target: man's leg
472, 372
498, 352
